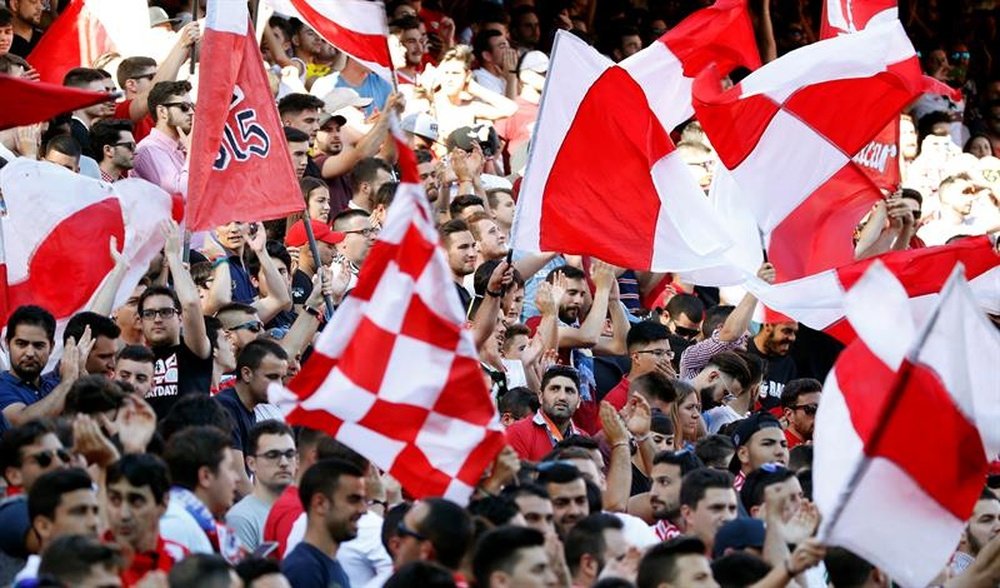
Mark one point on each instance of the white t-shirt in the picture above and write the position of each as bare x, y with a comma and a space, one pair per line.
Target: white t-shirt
490, 81
179, 526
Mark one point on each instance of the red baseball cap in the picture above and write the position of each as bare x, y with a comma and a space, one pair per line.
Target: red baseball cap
296, 236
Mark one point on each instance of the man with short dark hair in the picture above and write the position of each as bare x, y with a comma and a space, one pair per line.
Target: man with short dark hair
64, 151
26, 394
752, 495
981, 527
435, 530
759, 439
367, 176
845, 569
273, 461
137, 487
204, 570
567, 492
26, 20
649, 350
183, 358
61, 503
6, 31
79, 560
773, 343
591, 544
512, 556
298, 150
669, 468
201, 471
302, 112
134, 365
85, 78
333, 496
533, 502
359, 236
104, 333
678, 563
560, 397
707, 501
460, 247
497, 70
162, 157
800, 401
113, 147
726, 391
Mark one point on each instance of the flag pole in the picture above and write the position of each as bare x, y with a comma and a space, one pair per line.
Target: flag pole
195, 9
895, 394
314, 249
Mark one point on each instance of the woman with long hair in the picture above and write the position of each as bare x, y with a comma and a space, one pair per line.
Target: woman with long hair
686, 415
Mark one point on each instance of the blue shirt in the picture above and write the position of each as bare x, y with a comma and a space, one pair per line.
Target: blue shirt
373, 87
13, 390
308, 567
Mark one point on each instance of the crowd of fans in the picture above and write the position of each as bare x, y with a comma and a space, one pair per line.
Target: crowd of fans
658, 434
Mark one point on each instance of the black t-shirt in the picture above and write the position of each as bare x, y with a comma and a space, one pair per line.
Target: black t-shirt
302, 287
22, 48
243, 419
780, 369
814, 353
339, 187
177, 372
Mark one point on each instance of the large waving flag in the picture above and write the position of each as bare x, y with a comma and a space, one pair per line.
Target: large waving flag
818, 300
356, 27
240, 167
632, 202
57, 230
850, 16
395, 376
786, 136
887, 489
86, 30
24, 102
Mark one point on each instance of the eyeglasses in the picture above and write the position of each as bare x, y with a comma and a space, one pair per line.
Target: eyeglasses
44, 458
960, 56
276, 455
184, 106
252, 326
130, 145
363, 232
809, 409
658, 353
163, 313
403, 531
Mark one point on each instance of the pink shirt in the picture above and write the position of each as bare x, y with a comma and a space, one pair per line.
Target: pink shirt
161, 160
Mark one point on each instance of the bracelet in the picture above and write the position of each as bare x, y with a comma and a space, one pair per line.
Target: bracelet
314, 312
513, 71
494, 294
643, 438
619, 444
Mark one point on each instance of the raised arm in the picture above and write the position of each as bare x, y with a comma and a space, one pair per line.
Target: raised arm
278, 297
192, 321
168, 69
738, 321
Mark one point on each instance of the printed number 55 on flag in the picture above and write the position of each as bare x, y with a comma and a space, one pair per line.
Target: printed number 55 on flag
242, 137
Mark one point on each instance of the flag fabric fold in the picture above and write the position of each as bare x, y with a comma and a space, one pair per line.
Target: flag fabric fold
395, 376
356, 27
888, 491
240, 167
87, 30
786, 136
50, 255
818, 300
24, 102
633, 202
849, 16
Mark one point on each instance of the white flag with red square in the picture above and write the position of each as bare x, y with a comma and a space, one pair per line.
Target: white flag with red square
395, 376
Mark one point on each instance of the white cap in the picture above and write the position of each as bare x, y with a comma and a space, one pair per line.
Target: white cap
421, 124
535, 61
341, 98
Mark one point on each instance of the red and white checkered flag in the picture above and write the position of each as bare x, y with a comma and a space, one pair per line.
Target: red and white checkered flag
395, 376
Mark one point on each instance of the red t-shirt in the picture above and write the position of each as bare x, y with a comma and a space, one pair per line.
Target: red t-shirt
279, 521
793, 439
141, 127
167, 553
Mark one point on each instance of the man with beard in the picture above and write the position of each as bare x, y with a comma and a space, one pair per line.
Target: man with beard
85, 78
161, 158
24, 393
113, 147
272, 459
800, 401
26, 18
333, 495
725, 387
981, 528
560, 397
461, 247
774, 344
669, 468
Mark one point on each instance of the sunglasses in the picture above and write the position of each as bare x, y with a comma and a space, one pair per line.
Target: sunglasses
130, 145
809, 409
277, 454
686, 332
44, 458
658, 353
184, 106
403, 531
148, 76
252, 326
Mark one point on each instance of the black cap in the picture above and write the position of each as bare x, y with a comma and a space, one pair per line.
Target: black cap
750, 425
